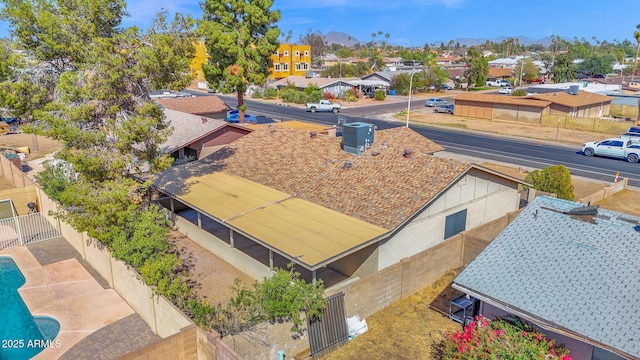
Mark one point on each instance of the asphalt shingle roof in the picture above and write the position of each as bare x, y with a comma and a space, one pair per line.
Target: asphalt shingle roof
578, 273
382, 187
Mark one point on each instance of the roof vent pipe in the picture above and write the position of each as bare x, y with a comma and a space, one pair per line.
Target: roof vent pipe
313, 134
408, 153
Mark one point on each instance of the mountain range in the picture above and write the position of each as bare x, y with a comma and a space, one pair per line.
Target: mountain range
337, 37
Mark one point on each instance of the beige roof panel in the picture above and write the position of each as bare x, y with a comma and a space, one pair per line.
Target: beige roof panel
294, 227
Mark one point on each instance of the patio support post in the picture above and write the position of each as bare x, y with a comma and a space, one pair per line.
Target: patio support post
172, 207
313, 277
270, 259
231, 241
199, 220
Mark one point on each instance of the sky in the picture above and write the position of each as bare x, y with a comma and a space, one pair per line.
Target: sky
416, 22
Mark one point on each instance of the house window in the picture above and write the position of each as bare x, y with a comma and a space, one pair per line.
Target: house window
286, 53
276, 53
276, 67
305, 66
298, 67
306, 53
285, 67
298, 53
455, 223
601, 354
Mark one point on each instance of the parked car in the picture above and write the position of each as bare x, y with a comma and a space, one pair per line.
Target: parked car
501, 82
447, 109
323, 105
615, 147
433, 102
446, 87
506, 90
632, 134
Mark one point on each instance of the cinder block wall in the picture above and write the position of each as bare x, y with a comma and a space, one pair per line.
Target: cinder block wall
178, 346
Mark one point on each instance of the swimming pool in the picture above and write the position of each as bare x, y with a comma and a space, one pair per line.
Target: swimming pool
22, 335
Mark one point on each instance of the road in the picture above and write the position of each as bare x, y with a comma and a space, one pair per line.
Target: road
520, 152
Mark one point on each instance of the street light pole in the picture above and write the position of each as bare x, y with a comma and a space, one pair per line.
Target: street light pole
409, 102
340, 92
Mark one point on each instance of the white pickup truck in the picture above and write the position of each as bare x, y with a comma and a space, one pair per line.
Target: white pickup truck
501, 82
324, 105
615, 147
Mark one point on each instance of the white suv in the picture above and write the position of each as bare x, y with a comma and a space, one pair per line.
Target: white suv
506, 90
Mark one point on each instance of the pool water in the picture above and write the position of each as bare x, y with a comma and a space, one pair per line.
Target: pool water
22, 335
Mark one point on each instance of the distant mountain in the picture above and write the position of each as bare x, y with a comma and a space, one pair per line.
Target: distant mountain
337, 37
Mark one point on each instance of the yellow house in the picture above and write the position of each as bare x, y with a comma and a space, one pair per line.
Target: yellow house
290, 59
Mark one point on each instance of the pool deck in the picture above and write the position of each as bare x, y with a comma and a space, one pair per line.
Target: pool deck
92, 315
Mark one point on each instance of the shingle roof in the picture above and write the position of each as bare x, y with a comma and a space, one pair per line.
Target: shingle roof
383, 190
500, 72
583, 98
579, 274
195, 105
187, 128
501, 99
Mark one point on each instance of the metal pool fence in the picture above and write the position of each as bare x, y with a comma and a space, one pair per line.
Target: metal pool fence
25, 229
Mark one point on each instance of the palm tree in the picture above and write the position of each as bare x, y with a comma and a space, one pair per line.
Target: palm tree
636, 34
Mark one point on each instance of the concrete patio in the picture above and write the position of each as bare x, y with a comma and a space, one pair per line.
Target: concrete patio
91, 315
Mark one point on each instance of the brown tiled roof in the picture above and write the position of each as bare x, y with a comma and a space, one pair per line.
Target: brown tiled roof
187, 128
583, 98
500, 72
382, 187
195, 105
501, 99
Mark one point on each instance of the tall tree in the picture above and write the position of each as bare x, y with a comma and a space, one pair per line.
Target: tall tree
478, 67
636, 35
563, 68
240, 36
94, 96
526, 70
315, 39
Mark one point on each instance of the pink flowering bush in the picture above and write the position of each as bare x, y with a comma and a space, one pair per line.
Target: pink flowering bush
500, 339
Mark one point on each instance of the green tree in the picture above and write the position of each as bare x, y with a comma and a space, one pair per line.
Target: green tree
554, 179
598, 64
478, 67
563, 68
344, 53
240, 36
530, 71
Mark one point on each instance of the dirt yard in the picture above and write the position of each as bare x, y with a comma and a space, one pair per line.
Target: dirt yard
405, 330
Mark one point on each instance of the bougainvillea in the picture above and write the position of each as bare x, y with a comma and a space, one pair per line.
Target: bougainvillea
500, 339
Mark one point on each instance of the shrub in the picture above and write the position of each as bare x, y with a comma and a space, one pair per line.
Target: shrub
519, 92
379, 95
328, 96
270, 93
499, 339
350, 95
314, 96
257, 94
553, 179
300, 97
288, 95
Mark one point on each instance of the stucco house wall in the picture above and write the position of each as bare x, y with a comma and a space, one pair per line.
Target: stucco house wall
485, 196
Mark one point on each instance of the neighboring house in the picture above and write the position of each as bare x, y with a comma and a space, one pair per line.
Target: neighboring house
331, 85
502, 107
499, 73
194, 137
570, 273
576, 104
530, 109
280, 195
208, 106
290, 59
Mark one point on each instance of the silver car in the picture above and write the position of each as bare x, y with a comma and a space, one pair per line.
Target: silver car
433, 102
